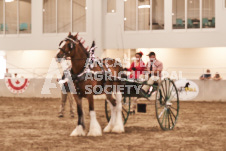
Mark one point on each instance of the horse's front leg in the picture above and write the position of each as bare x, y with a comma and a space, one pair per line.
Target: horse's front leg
94, 129
79, 130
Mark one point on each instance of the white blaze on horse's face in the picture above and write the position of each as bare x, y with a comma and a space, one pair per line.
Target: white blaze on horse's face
62, 44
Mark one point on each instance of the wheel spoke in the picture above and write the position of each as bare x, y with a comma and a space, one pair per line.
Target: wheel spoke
163, 89
166, 87
164, 98
172, 114
123, 115
169, 88
168, 119
163, 116
123, 109
171, 119
173, 96
173, 108
161, 113
161, 106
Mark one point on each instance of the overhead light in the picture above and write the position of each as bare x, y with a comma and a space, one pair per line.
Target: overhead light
144, 6
9, 1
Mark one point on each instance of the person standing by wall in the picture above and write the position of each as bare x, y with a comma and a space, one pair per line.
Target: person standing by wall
217, 77
206, 76
65, 93
7, 74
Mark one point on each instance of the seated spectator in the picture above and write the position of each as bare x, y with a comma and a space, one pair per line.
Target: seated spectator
7, 74
15, 75
217, 77
206, 76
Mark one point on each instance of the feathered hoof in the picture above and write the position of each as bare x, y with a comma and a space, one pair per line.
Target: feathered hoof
78, 131
108, 129
118, 129
95, 133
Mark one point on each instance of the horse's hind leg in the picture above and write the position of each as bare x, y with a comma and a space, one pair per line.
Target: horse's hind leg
94, 129
112, 103
115, 124
79, 130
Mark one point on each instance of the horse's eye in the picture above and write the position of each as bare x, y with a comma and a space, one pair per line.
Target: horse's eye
71, 45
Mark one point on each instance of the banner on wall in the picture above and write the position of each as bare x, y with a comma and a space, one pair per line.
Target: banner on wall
17, 85
187, 89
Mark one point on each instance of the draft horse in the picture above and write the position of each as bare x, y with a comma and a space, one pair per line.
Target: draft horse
73, 48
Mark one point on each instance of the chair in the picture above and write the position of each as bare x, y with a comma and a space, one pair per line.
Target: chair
23, 26
190, 24
179, 22
213, 22
204, 22
2, 27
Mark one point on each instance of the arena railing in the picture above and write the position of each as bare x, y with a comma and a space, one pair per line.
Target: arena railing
187, 72
33, 73
196, 72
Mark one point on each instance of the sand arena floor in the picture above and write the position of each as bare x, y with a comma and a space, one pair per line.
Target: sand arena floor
32, 124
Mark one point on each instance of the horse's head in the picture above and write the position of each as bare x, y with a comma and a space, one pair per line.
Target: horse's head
67, 47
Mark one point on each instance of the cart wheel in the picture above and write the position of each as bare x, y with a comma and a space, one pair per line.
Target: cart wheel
167, 104
126, 101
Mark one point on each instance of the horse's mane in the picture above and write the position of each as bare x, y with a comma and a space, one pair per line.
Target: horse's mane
80, 42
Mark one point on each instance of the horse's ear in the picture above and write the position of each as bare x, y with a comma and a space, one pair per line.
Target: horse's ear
93, 44
69, 34
76, 36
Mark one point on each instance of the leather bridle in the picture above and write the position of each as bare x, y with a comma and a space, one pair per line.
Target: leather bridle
72, 45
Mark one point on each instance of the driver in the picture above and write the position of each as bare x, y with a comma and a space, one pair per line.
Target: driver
154, 69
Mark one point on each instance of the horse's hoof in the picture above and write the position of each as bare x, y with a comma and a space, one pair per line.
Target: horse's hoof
78, 131
95, 130
108, 129
95, 133
118, 129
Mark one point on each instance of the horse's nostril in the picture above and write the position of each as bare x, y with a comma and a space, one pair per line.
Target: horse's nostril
58, 59
59, 56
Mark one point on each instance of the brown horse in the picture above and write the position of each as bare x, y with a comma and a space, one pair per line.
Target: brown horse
73, 48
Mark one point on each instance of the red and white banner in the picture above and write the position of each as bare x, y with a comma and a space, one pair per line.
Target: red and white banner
17, 85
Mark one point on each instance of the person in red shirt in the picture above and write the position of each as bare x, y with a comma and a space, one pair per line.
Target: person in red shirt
137, 67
